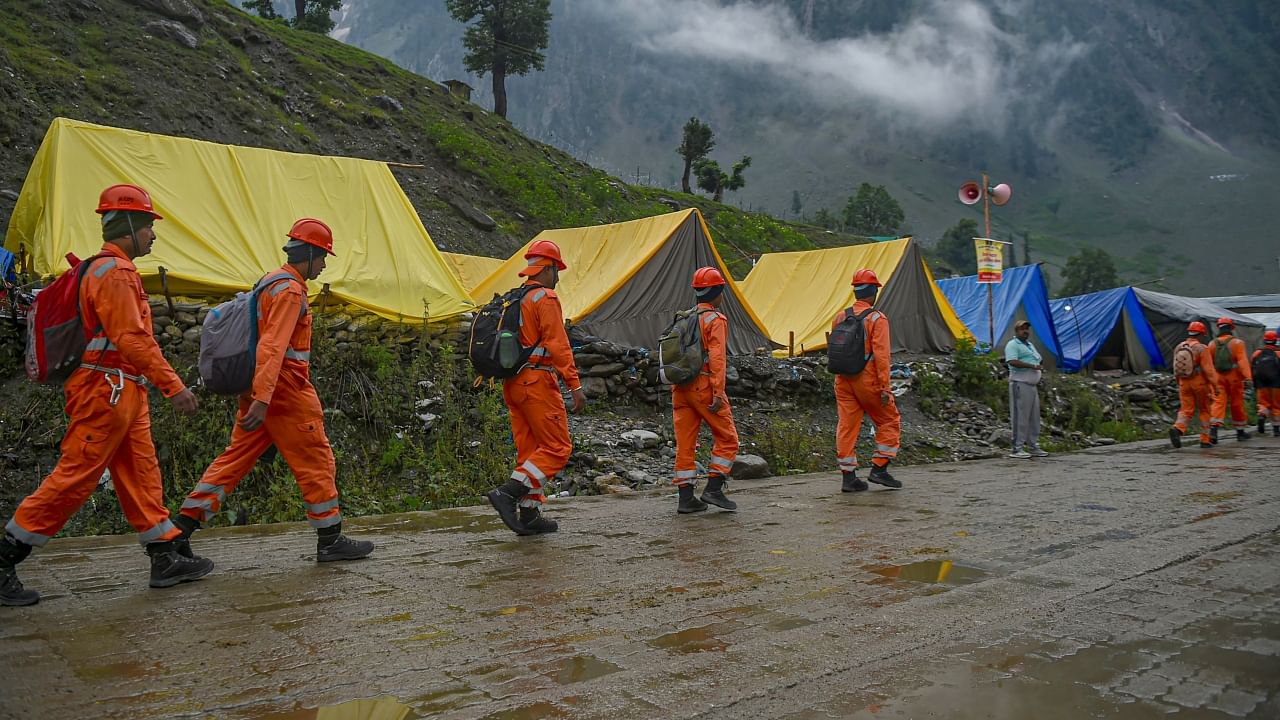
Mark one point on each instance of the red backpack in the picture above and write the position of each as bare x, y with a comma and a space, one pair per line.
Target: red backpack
56, 336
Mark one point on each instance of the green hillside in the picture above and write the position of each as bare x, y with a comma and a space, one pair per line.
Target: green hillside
206, 70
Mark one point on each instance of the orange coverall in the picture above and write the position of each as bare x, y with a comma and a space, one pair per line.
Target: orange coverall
1268, 398
295, 421
539, 423
691, 405
102, 435
859, 394
1231, 383
1199, 390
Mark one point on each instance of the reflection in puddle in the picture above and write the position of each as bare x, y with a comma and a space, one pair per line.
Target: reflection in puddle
699, 639
930, 571
374, 709
580, 669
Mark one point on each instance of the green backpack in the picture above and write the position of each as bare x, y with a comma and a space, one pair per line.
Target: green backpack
680, 352
1222, 359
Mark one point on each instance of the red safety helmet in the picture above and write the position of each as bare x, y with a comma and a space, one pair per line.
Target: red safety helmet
1270, 337
313, 232
1226, 322
545, 249
1197, 328
705, 277
866, 276
126, 197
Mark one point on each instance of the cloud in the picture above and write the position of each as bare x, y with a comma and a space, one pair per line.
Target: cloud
948, 62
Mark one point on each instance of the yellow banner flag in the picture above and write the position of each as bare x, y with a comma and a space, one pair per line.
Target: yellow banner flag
990, 259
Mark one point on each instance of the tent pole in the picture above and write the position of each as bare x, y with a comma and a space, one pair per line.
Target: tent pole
991, 322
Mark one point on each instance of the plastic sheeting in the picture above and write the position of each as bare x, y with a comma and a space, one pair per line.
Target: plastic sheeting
1247, 303
801, 292
1020, 295
1110, 319
1169, 315
472, 269
626, 281
227, 210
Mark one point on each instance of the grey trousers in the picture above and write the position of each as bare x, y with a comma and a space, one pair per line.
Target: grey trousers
1024, 415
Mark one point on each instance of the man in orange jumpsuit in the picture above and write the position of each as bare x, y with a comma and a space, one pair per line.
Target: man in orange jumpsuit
282, 407
705, 400
538, 421
1199, 390
1267, 383
1234, 378
110, 418
868, 393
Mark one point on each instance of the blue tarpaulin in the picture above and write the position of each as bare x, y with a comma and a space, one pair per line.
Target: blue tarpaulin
6, 266
1085, 323
1021, 294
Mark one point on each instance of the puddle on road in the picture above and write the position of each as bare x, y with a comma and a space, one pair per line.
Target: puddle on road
536, 711
707, 638
448, 520
930, 571
374, 709
580, 668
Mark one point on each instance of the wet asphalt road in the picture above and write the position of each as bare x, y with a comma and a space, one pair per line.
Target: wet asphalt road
1125, 582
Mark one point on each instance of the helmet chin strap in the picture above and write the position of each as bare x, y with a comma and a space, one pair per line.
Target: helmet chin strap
133, 235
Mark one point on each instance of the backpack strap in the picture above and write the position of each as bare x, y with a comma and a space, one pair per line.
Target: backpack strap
105, 344
258, 288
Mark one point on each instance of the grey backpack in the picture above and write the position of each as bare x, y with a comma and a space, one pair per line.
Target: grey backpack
680, 351
229, 340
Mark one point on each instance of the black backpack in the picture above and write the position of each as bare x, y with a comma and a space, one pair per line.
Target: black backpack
495, 350
846, 347
1266, 369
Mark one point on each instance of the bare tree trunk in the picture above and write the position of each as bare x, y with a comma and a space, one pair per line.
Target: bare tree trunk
684, 179
500, 89
719, 196
299, 11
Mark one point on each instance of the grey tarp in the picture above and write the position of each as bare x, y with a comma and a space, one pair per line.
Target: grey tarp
1169, 315
1249, 304
625, 281
908, 299
639, 311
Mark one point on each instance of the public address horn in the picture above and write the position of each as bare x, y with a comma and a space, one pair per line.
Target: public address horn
971, 192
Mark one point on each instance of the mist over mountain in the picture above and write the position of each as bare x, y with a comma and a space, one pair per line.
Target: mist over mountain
1143, 127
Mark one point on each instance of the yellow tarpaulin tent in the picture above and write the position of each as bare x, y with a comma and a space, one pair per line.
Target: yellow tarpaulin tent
801, 292
472, 269
226, 212
626, 281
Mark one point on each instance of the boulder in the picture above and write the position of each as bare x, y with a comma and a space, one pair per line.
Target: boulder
595, 387
192, 335
174, 31
746, 467
181, 10
588, 359
637, 478
472, 215
386, 102
641, 439
605, 370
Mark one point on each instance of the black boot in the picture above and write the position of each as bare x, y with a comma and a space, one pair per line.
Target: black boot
714, 493
12, 552
182, 543
689, 503
535, 522
1262, 425
332, 545
1175, 437
1213, 435
880, 476
1242, 435
1275, 429
850, 482
168, 568
504, 500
